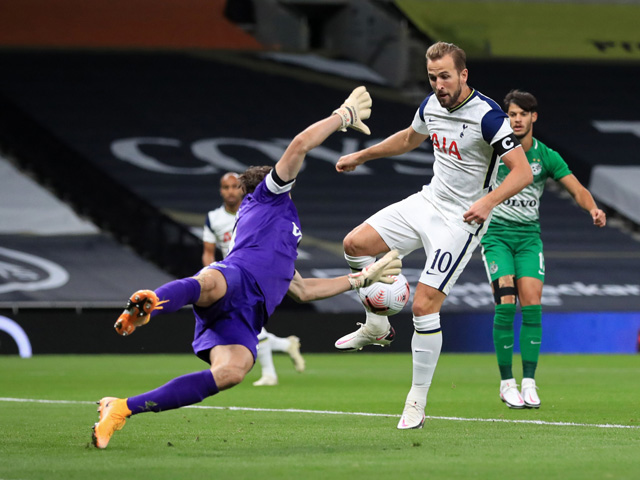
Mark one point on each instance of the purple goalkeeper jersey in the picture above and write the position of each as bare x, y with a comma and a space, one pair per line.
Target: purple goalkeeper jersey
266, 239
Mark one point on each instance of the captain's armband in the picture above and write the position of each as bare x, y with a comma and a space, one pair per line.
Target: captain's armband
506, 144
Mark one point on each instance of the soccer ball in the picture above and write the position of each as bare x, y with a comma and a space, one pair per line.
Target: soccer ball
386, 299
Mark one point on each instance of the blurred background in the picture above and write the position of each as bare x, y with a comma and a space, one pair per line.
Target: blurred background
118, 118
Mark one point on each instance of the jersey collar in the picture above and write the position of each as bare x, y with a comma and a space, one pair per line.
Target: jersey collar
464, 102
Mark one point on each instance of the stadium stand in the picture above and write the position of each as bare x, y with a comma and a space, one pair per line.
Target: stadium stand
50, 257
137, 140
198, 24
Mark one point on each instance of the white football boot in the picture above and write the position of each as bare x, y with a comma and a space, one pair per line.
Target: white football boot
529, 394
294, 353
510, 395
412, 416
362, 337
266, 381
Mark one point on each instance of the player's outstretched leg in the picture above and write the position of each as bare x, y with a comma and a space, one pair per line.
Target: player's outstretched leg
529, 393
376, 330
181, 391
113, 414
144, 304
510, 395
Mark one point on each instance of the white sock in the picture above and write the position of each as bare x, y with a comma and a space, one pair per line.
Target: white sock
425, 347
358, 263
278, 344
266, 359
376, 324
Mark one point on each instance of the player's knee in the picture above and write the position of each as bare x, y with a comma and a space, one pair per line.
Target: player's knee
235, 376
228, 376
426, 301
422, 307
350, 244
212, 287
505, 290
207, 282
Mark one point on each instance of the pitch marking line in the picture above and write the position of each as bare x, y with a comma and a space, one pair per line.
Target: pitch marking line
331, 412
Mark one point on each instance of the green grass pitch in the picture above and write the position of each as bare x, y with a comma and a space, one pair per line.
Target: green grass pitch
587, 428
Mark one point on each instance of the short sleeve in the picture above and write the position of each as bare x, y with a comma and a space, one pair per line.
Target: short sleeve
557, 166
419, 124
495, 126
207, 234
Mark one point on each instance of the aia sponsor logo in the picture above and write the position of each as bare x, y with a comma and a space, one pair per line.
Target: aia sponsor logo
441, 144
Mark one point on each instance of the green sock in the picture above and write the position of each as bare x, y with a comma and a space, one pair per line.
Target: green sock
503, 338
530, 339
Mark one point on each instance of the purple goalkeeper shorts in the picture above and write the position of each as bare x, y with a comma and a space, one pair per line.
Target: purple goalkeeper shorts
235, 319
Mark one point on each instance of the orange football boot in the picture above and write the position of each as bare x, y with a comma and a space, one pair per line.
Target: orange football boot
113, 415
137, 312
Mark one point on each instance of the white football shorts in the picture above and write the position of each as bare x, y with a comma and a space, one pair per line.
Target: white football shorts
415, 222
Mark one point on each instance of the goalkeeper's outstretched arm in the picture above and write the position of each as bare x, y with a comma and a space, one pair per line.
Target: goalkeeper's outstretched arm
356, 107
401, 142
310, 289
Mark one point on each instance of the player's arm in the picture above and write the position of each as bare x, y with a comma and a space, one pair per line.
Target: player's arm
208, 253
401, 142
356, 107
310, 289
519, 177
208, 243
584, 199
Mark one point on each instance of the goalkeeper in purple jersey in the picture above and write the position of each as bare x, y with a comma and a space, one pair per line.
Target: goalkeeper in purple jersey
232, 299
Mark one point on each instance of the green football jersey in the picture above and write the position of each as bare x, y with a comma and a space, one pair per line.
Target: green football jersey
522, 210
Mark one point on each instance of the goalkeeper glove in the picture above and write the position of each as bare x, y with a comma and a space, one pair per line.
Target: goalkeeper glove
379, 271
356, 107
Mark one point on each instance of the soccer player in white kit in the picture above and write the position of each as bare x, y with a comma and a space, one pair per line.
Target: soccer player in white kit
217, 233
447, 218
219, 223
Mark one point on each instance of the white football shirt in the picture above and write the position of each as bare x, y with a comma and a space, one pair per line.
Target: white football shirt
218, 228
466, 141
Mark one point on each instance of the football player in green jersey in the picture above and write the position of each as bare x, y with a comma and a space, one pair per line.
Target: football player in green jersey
512, 252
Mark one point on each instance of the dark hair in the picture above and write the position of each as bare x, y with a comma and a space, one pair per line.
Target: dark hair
440, 49
252, 177
524, 100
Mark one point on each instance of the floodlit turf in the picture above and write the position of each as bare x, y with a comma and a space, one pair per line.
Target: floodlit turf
52, 440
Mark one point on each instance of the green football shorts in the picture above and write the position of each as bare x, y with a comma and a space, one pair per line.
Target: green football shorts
513, 253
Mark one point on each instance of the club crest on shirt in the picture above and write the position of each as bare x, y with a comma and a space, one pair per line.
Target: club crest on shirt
493, 267
536, 168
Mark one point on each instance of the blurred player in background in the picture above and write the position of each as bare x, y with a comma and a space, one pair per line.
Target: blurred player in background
447, 218
234, 298
512, 252
218, 226
216, 238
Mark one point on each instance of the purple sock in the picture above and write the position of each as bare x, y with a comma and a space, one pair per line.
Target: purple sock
179, 392
181, 292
